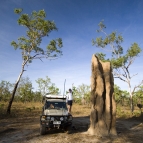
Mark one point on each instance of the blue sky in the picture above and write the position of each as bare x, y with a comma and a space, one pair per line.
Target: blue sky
77, 22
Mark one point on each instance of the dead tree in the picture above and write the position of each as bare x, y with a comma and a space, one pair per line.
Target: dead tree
103, 110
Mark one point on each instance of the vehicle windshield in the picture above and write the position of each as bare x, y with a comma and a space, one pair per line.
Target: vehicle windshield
55, 105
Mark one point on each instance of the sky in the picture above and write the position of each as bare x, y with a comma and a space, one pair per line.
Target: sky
77, 22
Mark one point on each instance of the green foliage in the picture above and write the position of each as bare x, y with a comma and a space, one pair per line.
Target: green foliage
37, 28
118, 62
138, 96
121, 96
18, 11
115, 40
101, 56
117, 93
37, 96
133, 51
101, 26
82, 91
2, 109
24, 91
98, 42
5, 90
46, 86
53, 89
112, 39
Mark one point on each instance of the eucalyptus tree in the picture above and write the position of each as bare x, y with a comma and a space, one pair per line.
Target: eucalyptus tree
117, 93
37, 96
53, 89
37, 27
46, 86
84, 91
121, 96
138, 95
5, 90
24, 90
75, 93
120, 62
81, 92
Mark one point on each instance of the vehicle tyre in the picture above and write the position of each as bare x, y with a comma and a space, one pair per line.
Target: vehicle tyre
42, 130
68, 129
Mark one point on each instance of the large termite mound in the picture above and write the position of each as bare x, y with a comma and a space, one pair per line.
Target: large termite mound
103, 109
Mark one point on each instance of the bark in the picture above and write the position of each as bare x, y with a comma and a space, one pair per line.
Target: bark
131, 104
131, 98
103, 111
14, 91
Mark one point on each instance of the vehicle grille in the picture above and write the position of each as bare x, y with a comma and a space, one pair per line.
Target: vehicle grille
57, 118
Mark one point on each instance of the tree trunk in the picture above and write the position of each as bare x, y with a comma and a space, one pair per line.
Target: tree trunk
103, 110
13, 92
131, 99
131, 104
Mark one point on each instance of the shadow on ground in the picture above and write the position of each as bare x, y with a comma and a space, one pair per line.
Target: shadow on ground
80, 124
27, 130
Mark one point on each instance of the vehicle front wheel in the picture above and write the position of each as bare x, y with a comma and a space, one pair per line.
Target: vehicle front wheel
42, 130
68, 129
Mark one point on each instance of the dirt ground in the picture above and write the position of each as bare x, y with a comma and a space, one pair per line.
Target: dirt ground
26, 130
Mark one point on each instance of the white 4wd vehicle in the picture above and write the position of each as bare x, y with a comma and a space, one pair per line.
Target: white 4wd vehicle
55, 114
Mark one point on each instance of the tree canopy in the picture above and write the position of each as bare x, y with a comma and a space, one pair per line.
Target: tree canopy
37, 27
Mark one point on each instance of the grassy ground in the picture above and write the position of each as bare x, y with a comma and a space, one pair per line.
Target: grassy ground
22, 125
20, 109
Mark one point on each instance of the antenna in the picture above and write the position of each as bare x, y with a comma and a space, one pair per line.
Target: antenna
64, 87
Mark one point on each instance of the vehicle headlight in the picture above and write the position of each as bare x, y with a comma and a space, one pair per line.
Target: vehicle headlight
43, 118
48, 118
61, 118
52, 118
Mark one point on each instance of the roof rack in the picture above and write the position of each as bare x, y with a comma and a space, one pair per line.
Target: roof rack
52, 96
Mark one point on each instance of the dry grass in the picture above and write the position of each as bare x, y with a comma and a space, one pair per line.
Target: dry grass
80, 110
23, 125
20, 109
125, 112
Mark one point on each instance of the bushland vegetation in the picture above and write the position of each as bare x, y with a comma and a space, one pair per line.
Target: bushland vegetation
23, 122
26, 94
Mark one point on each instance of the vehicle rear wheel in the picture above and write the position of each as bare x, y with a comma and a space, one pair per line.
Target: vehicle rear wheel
42, 130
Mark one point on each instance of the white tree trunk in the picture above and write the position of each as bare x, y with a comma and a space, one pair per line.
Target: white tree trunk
15, 88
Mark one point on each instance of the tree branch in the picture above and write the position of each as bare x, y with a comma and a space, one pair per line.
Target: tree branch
137, 86
126, 72
116, 75
121, 79
134, 75
130, 62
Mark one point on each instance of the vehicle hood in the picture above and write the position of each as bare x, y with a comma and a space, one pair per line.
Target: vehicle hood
55, 112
